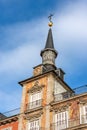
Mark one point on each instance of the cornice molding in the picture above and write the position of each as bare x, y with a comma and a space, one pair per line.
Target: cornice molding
36, 87
30, 116
58, 108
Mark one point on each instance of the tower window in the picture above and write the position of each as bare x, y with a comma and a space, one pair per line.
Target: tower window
35, 100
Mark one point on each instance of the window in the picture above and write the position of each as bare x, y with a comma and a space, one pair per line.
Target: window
83, 114
61, 120
8, 128
33, 125
35, 100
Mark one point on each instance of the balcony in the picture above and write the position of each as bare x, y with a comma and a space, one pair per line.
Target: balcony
71, 123
34, 105
37, 128
84, 119
61, 96
59, 125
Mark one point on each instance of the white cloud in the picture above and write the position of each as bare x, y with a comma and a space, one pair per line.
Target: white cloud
18, 59
70, 33
27, 39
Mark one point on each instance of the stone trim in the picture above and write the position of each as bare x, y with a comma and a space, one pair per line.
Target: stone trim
84, 102
59, 109
35, 88
34, 109
9, 120
33, 115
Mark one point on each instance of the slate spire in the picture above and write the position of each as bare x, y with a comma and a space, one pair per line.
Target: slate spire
49, 53
49, 42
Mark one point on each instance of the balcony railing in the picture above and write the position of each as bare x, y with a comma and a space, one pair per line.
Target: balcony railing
73, 122
59, 125
61, 96
64, 124
84, 119
35, 104
9, 114
37, 128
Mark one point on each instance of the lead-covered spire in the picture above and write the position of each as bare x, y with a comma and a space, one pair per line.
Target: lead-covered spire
49, 42
49, 53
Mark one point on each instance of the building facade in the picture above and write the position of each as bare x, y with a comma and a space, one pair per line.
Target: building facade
9, 123
48, 103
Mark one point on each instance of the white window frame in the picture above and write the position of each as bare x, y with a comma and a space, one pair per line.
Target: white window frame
61, 120
83, 114
35, 99
33, 125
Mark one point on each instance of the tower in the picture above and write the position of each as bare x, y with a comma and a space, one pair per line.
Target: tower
40, 90
48, 103
49, 53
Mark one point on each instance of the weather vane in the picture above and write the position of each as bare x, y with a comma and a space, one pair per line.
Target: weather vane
50, 19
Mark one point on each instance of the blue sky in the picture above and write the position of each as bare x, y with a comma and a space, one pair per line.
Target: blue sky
23, 33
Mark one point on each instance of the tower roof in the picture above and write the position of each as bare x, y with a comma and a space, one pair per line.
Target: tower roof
49, 42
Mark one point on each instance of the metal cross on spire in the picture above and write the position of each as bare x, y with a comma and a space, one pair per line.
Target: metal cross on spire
50, 19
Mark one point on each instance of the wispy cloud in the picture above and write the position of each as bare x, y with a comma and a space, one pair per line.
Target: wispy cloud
71, 31
22, 43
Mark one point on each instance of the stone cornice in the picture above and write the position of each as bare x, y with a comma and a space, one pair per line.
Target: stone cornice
35, 88
33, 115
34, 110
76, 97
58, 108
78, 127
9, 120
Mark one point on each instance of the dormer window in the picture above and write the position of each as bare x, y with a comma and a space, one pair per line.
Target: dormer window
59, 92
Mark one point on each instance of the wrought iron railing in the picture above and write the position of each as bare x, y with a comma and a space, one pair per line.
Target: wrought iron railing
76, 91
9, 113
36, 128
81, 89
60, 125
61, 96
34, 104
83, 119
73, 122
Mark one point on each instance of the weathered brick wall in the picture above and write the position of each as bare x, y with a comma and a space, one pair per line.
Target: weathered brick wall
13, 125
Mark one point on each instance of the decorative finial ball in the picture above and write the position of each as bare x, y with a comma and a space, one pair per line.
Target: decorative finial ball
50, 24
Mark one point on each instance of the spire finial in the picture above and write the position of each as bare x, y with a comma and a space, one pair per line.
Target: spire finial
50, 24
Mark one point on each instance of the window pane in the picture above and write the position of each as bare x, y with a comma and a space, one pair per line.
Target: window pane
61, 120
